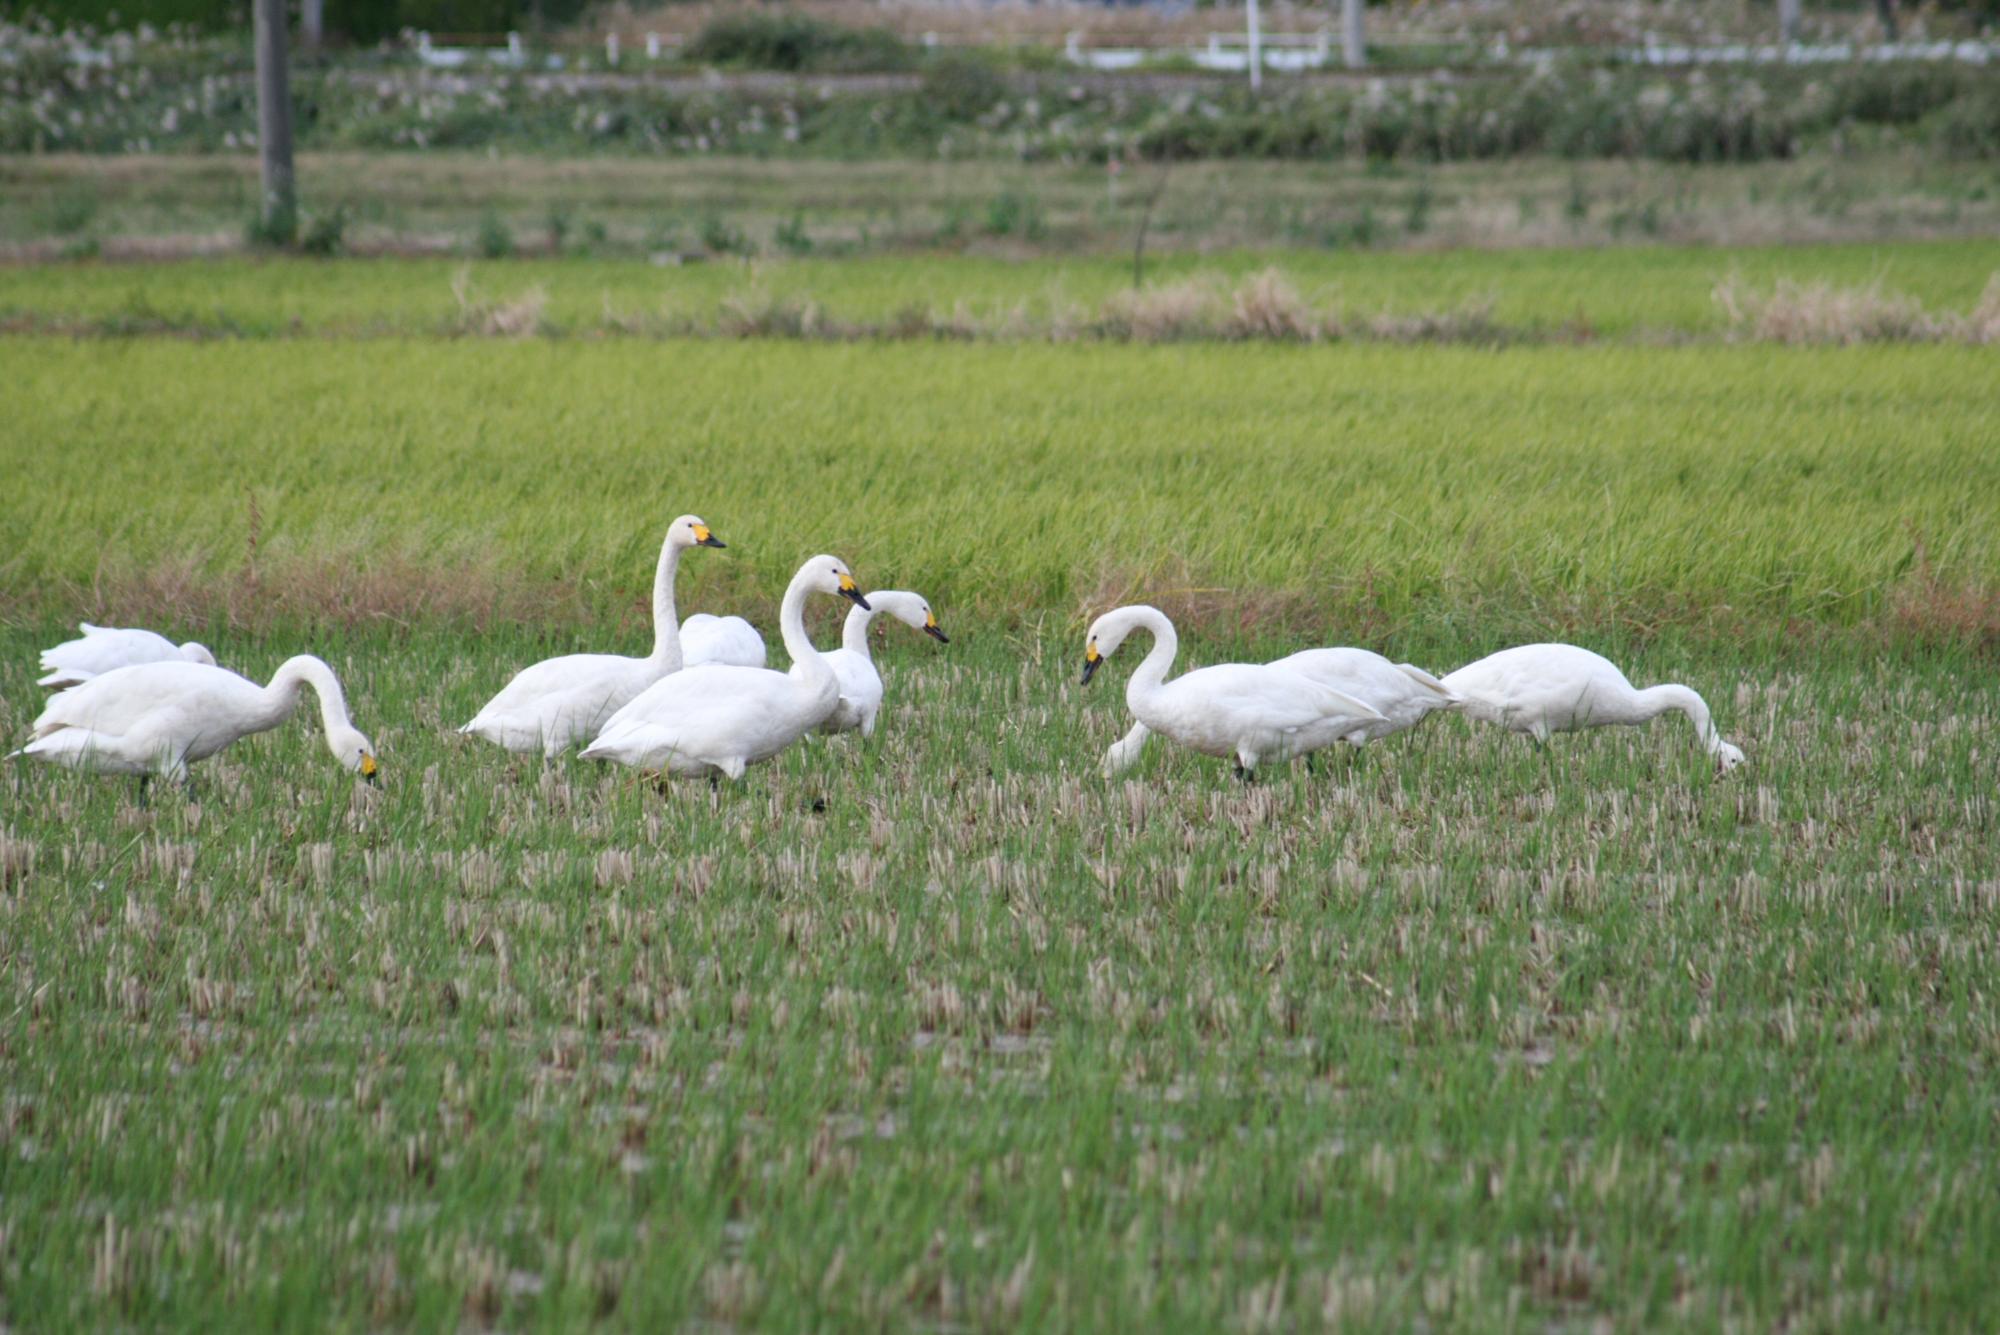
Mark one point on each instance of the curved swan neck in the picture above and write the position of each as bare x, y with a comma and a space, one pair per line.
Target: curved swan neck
305, 670
792, 626
666, 619
1657, 700
854, 632
1152, 672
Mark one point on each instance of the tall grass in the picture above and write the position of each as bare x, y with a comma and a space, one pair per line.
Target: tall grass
1732, 488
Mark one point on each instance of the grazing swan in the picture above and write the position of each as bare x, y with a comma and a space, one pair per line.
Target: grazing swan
561, 701
103, 649
1251, 711
718, 720
159, 718
731, 641
1401, 692
860, 683
1541, 689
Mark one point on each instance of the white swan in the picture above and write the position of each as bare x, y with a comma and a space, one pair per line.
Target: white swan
1402, 693
1542, 689
104, 649
561, 701
860, 683
1251, 711
731, 641
718, 720
159, 718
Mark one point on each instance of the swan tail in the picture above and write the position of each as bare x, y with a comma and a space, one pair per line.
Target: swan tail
63, 678
1447, 698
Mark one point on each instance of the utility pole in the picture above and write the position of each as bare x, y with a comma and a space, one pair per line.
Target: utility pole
1788, 21
1256, 50
1351, 49
279, 214
312, 25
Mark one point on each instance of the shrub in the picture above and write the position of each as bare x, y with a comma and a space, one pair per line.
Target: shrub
326, 233
494, 240
792, 41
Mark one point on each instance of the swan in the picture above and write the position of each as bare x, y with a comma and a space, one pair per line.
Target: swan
1402, 693
560, 701
860, 683
159, 718
1542, 689
718, 720
731, 641
1251, 711
101, 649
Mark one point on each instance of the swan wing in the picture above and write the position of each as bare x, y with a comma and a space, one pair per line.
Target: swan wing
1428, 682
186, 700
729, 641
713, 714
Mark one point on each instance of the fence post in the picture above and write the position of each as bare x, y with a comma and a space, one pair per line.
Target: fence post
611, 48
1351, 49
1788, 21
312, 25
279, 214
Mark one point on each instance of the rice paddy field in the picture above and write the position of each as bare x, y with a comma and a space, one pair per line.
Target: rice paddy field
944, 1030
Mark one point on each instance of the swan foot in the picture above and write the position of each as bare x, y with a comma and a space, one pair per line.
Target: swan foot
145, 796
1245, 774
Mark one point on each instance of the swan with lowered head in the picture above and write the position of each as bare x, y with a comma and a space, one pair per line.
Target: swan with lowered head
159, 718
719, 720
1402, 693
1542, 689
103, 649
730, 641
560, 701
1252, 712
860, 683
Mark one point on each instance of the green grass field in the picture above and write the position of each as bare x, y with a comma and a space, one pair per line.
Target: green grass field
1613, 293
945, 1030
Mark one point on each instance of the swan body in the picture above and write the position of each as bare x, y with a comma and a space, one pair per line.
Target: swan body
731, 641
1402, 693
102, 649
718, 720
1252, 712
1541, 689
160, 718
561, 701
860, 683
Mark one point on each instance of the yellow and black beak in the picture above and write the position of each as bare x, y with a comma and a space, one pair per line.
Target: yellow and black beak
1092, 660
852, 594
370, 770
935, 631
704, 538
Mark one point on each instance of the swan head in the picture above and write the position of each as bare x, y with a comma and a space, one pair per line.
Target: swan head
911, 610
1106, 634
355, 752
1728, 756
690, 531
197, 653
829, 574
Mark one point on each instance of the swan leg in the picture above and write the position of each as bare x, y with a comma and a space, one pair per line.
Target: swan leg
1244, 772
145, 797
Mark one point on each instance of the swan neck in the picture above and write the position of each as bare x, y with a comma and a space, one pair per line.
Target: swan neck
305, 670
1660, 700
806, 661
666, 618
1152, 673
854, 631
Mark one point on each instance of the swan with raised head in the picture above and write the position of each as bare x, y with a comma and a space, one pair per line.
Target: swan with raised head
719, 720
160, 718
730, 641
1402, 693
1252, 712
102, 649
561, 701
860, 683
1541, 689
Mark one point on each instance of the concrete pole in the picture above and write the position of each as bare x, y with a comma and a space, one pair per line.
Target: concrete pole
1788, 21
280, 211
312, 25
1256, 50
1352, 50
